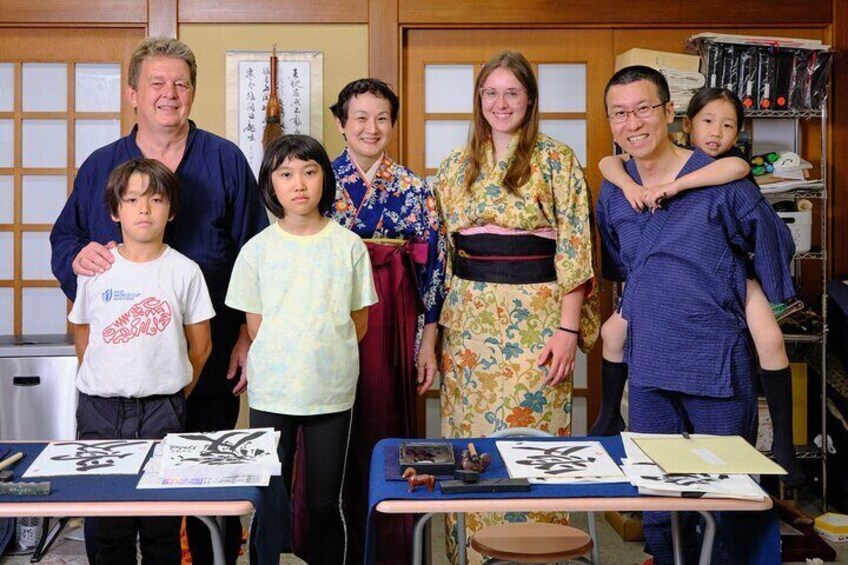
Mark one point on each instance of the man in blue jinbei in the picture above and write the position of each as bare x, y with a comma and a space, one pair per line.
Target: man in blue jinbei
690, 366
221, 212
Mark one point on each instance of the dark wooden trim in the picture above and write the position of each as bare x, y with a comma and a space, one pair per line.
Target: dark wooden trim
839, 146
274, 11
73, 11
162, 18
384, 52
613, 12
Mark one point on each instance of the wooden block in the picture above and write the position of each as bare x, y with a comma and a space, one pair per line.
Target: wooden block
799, 403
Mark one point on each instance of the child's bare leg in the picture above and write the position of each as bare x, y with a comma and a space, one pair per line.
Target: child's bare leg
768, 339
613, 336
613, 377
775, 378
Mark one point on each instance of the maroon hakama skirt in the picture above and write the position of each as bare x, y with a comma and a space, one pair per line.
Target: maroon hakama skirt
385, 405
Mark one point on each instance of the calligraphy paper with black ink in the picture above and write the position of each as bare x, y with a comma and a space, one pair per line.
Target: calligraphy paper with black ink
557, 461
226, 453
151, 477
651, 480
90, 457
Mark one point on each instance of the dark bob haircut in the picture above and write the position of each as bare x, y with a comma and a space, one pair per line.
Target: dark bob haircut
302, 148
707, 95
160, 181
361, 86
635, 73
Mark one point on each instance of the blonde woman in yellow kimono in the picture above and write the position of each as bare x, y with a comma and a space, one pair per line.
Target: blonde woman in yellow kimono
521, 290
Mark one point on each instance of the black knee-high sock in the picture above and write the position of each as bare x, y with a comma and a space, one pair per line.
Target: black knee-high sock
777, 386
613, 378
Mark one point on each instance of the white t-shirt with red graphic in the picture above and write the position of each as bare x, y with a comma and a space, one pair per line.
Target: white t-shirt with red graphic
136, 313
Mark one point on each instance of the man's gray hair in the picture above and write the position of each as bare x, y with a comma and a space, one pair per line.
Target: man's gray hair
160, 47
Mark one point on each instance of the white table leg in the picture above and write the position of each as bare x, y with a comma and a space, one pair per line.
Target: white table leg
215, 525
460, 538
676, 542
709, 538
418, 538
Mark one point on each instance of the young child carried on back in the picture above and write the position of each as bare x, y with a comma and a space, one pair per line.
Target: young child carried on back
142, 336
305, 284
712, 121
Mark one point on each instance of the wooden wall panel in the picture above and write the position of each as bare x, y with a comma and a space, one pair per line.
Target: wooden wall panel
273, 11
162, 18
73, 11
384, 51
614, 12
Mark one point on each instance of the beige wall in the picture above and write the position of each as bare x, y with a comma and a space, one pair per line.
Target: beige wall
345, 50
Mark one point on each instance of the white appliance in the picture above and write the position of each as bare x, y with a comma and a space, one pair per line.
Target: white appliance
38, 394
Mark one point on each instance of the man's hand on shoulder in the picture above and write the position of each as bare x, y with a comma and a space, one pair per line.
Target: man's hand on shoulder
93, 259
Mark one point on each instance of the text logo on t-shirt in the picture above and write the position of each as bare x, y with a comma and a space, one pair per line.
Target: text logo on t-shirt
148, 317
109, 295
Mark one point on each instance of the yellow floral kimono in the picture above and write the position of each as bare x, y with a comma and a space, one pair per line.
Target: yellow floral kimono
493, 333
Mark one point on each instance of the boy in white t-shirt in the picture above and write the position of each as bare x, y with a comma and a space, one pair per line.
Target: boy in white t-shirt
142, 335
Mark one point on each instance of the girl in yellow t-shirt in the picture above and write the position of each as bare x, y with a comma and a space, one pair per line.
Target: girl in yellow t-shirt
305, 285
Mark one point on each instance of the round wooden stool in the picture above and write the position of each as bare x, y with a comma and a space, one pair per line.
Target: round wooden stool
532, 543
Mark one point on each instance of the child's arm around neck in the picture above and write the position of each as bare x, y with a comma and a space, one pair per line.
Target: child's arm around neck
720, 171
612, 168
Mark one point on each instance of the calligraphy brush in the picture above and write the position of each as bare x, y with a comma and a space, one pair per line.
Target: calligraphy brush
273, 110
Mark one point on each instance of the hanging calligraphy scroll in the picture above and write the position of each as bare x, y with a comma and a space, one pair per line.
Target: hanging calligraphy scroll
300, 85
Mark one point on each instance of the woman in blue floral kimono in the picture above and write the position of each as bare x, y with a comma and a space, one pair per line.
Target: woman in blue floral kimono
394, 211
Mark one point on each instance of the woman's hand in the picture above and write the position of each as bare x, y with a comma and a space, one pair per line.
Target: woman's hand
559, 353
427, 363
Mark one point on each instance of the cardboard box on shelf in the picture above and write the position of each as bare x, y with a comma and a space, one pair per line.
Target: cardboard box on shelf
658, 59
627, 524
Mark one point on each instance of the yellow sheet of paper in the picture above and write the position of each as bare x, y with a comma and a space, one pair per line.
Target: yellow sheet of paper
716, 454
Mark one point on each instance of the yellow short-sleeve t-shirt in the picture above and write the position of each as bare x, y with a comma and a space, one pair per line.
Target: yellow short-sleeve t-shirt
305, 359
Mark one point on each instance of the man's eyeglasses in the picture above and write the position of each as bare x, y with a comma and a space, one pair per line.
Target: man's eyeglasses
620, 116
510, 95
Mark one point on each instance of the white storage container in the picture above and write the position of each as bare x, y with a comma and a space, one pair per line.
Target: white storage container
801, 226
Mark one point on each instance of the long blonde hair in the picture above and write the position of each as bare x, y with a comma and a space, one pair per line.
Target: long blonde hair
518, 171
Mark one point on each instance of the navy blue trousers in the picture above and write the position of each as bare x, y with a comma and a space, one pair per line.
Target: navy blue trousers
112, 541
744, 538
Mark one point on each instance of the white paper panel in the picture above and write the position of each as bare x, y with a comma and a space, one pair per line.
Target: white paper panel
448, 88
562, 88
45, 143
43, 198
7, 311
98, 87
92, 135
7, 255
7, 143
7, 87
7, 200
579, 415
772, 135
441, 137
35, 255
45, 87
44, 311
570, 132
